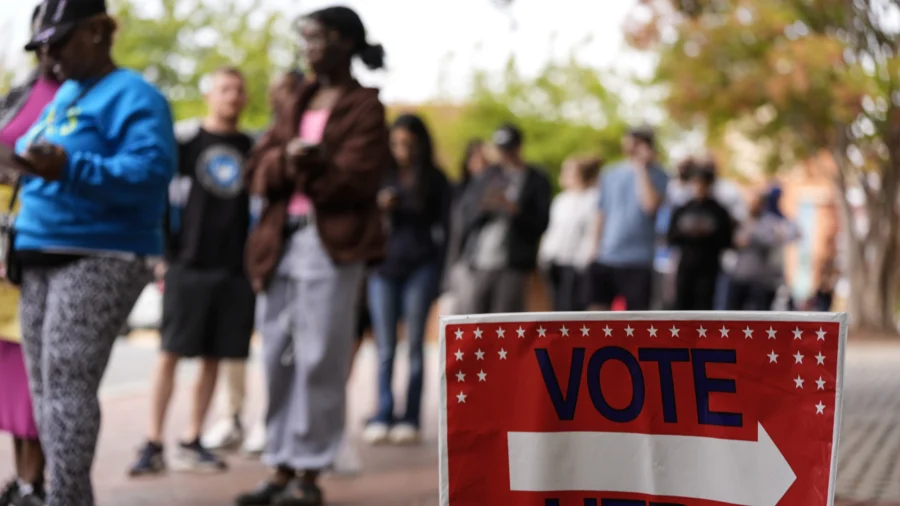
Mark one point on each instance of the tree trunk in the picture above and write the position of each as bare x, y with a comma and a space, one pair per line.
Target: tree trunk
871, 265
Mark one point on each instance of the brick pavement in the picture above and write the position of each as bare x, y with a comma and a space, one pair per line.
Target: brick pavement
390, 476
868, 472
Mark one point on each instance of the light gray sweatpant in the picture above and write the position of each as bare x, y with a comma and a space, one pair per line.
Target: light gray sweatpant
307, 318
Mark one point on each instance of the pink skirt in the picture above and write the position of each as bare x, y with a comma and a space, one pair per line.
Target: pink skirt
16, 413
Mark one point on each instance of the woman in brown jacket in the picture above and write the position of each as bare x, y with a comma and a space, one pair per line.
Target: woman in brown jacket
319, 169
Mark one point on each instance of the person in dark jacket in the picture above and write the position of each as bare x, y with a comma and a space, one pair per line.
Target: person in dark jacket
505, 213
416, 200
473, 165
701, 229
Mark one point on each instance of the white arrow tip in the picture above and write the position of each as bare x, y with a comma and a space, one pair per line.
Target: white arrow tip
775, 475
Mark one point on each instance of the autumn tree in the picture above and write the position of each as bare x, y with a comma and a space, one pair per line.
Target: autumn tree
804, 77
175, 43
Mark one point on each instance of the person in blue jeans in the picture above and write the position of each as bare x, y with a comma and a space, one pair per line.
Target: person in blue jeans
415, 199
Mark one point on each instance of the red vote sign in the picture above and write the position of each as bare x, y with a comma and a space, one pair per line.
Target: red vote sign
641, 409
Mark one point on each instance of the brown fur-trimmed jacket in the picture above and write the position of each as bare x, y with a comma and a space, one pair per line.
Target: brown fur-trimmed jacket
341, 179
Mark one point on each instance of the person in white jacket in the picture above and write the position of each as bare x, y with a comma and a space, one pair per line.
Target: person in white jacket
567, 246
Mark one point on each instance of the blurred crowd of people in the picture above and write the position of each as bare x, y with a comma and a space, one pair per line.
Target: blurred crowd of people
329, 226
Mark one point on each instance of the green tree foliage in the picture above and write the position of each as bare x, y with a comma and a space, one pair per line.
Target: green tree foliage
175, 43
565, 110
803, 77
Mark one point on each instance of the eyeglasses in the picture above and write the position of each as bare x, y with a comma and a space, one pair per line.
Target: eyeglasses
318, 38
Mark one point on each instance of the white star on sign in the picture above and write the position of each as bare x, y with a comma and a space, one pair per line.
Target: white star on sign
478, 333
701, 332
479, 355
459, 334
798, 334
820, 384
652, 331
820, 408
501, 334
771, 333
773, 357
542, 332
820, 359
724, 332
564, 331
482, 376
459, 355
629, 331
520, 332
585, 331
798, 358
820, 335
461, 398
607, 331
798, 381
460, 376
748, 333
502, 354
674, 331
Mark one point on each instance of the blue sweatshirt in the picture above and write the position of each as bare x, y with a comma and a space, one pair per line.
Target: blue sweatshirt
121, 149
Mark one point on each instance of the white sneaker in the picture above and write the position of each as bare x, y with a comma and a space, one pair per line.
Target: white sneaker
376, 433
255, 443
404, 434
226, 435
347, 462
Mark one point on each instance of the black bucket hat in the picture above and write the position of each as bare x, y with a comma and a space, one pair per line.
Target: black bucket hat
57, 18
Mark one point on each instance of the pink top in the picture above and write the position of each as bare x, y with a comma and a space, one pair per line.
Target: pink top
41, 94
312, 126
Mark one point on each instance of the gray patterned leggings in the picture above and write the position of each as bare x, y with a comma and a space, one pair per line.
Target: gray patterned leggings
70, 317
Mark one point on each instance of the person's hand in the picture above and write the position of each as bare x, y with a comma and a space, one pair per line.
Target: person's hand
47, 161
299, 148
8, 176
499, 204
742, 239
495, 201
643, 155
257, 285
159, 270
387, 199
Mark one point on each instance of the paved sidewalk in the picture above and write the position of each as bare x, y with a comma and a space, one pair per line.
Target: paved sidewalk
868, 470
390, 475
868, 473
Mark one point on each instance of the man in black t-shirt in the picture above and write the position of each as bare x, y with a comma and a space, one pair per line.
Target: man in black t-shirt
208, 304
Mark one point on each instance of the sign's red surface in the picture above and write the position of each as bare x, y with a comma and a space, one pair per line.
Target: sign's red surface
629, 409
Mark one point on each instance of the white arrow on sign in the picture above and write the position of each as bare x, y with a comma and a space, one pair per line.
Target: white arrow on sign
753, 473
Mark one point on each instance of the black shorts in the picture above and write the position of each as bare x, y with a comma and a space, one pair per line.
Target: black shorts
634, 284
207, 313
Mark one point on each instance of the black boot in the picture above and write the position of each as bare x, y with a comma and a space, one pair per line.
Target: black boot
264, 495
305, 494
9, 493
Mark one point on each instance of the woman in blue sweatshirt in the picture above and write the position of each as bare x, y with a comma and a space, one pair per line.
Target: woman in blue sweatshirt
96, 169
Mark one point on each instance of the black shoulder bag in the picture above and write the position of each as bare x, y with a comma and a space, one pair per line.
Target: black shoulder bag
11, 264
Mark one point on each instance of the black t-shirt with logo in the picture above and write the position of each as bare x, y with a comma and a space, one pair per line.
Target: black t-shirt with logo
209, 210
702, 230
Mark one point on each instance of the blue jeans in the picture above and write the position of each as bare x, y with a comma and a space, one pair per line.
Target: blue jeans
391, 300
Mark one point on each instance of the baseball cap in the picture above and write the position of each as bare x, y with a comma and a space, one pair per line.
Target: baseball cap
57, 18
507, 137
